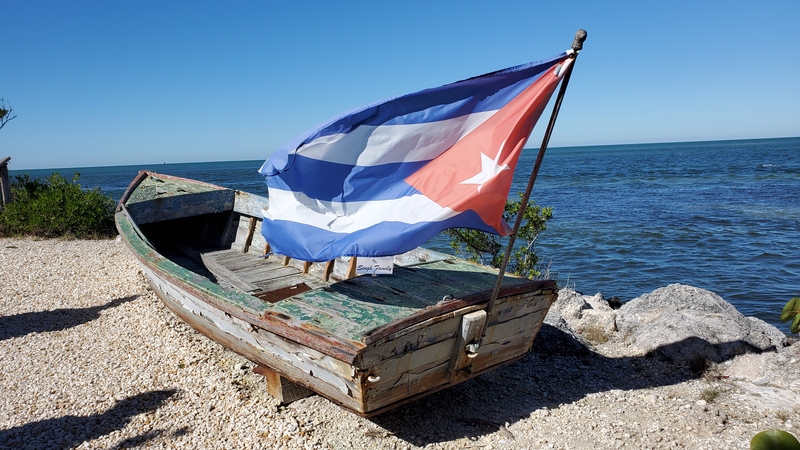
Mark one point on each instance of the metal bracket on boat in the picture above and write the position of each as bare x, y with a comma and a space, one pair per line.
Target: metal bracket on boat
472, 350
445, 299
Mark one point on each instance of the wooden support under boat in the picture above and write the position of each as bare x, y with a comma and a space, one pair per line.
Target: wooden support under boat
282, 389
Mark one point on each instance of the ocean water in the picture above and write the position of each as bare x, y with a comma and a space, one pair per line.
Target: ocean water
628, 219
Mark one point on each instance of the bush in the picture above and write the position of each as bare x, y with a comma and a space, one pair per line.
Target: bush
56, 207
791, 311
774, 440
489, 249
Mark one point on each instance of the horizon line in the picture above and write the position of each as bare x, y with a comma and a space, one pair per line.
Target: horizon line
524, 149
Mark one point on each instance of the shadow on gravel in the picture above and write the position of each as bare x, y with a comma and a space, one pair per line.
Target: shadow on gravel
55, 320
139, 440
72, 431
562, 373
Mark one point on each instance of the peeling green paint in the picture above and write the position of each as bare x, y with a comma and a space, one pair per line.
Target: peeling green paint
153, 187
351, 308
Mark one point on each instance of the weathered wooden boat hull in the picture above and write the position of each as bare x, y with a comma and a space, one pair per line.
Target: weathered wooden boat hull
368, 344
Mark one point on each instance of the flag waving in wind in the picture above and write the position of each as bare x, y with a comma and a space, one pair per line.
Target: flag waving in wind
385, 178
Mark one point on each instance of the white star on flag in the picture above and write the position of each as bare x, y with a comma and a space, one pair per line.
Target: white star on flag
489, 169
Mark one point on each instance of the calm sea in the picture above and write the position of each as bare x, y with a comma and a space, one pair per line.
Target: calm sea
628, 219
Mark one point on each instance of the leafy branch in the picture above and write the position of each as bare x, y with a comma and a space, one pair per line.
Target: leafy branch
792, 312
6, 113
489, 249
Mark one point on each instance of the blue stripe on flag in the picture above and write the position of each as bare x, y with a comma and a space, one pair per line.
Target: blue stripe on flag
329, 181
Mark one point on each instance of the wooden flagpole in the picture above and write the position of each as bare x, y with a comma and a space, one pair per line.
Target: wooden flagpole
577, 45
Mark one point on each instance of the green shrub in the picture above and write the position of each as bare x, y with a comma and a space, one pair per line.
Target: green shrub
489, 249
56, 207
791, 311
774, 440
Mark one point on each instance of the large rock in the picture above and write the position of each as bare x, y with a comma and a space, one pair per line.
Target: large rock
591, 317
688, 325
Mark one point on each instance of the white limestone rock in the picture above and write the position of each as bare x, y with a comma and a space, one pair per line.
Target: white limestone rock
685, 324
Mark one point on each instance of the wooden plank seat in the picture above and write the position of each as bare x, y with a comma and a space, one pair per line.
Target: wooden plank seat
266, 278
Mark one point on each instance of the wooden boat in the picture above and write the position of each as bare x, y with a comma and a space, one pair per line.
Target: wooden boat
367, 343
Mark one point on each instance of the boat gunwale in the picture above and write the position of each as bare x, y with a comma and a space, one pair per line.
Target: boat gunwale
144, 174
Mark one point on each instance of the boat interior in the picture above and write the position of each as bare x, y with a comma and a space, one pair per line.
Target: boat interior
215, 235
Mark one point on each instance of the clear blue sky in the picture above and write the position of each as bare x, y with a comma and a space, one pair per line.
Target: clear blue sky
97, 83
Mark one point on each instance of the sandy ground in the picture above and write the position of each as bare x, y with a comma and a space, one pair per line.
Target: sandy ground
91, 359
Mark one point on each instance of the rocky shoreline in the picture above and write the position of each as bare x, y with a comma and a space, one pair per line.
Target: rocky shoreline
91, 359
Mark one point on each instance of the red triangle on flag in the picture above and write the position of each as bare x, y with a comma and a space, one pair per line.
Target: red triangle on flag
476, 172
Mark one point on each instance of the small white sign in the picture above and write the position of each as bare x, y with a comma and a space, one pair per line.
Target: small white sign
381, 265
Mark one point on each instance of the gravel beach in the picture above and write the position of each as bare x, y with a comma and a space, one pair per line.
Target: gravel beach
92, 360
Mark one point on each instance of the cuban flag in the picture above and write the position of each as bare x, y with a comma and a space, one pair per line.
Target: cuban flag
383, 179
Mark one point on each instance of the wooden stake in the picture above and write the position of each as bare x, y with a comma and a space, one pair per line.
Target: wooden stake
250, 232
351, 269
328, 270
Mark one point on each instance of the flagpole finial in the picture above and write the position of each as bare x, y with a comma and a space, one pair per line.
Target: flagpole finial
580, 36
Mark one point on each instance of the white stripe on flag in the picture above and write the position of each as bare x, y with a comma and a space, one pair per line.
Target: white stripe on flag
371, 146
330, 216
